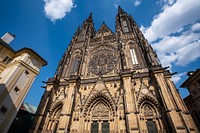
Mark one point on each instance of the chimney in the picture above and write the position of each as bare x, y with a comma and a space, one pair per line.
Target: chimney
8, 37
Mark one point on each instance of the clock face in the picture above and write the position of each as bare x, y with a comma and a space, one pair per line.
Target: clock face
102, 62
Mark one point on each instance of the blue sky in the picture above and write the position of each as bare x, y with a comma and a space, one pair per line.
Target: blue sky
172, 27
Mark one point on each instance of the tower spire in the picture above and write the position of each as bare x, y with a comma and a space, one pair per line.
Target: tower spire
89, 19
120, 10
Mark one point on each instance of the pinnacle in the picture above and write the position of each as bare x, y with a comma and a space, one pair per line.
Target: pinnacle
89, 18
120, 10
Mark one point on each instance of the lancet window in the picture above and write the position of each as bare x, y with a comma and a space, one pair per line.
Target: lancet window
133, 56
52, 125
125, 26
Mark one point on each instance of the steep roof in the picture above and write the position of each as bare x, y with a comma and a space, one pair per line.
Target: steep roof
29, 108
104, 28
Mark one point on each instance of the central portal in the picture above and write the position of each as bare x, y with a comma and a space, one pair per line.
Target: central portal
100, 127
100, 118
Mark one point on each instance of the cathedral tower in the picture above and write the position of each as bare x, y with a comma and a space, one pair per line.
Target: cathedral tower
110, 82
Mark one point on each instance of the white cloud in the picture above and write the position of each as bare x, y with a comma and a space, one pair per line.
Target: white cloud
174, 43
188, 53
171, 2
116, 6
196, 27
180, 50
177, 77
165, 2
174, 33
57, 9
172, 18
137, 2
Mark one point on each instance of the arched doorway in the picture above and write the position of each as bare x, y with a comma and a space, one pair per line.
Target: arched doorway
150, 117
53, 119
99, 115
100, 118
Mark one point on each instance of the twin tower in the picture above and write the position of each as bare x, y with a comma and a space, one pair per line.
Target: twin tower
110, 82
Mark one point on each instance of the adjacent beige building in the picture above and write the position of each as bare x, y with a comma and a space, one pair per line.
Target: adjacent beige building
193, 100
110, 82
18, 70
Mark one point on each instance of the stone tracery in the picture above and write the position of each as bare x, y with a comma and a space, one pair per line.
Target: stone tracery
102, 61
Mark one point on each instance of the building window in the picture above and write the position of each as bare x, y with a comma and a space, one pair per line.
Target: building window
75, 65
7, 60
133, 57
3, 109
27, 73
124, 23
125, 26
16, 89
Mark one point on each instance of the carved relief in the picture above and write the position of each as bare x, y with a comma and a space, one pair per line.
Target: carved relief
100, 111
79, 45
148, 111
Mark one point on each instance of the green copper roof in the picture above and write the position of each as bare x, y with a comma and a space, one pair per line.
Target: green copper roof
30, 108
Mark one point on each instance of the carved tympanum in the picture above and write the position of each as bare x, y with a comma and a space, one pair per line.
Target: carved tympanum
148, 111
100, 111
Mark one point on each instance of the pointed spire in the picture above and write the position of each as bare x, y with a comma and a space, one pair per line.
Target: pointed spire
120, 10
89, 19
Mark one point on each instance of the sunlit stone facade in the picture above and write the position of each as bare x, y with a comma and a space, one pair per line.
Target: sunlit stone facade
110, 82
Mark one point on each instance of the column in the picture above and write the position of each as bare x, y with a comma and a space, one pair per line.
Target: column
173, 115
66, 113
131, 117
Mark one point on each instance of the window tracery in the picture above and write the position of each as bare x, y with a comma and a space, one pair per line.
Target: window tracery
54, 119
125, 26
102, 62
133, 56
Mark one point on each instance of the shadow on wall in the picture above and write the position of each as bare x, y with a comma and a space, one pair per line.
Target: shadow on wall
22, 122
8, 110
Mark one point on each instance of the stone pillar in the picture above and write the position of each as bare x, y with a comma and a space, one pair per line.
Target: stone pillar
115, 124
176, 120
130, 112
66, 113
183, 109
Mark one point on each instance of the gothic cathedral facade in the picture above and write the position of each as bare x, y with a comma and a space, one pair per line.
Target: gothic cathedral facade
110, 82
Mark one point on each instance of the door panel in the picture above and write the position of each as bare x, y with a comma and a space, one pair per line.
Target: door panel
151, 126
105, 127
94, 127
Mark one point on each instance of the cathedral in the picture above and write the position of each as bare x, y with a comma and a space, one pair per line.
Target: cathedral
111, 82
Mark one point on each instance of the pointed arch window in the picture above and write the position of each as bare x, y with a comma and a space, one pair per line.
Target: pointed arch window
75, 65
52, 125
133, 56
125, 26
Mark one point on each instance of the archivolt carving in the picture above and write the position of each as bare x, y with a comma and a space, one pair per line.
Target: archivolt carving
149, 110
149, 100
56, 105
99, 98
